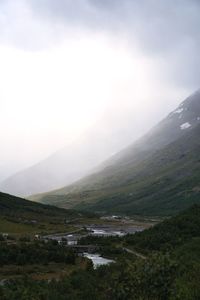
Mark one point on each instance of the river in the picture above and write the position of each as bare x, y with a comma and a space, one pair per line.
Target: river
95, 230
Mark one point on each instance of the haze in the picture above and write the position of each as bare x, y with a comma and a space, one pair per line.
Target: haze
68, 67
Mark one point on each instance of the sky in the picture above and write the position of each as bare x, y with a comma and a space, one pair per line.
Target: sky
70, 65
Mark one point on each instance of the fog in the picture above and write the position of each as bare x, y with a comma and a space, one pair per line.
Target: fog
68, 68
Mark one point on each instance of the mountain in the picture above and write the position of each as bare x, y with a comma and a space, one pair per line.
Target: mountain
75, 160
8, 169
157, 175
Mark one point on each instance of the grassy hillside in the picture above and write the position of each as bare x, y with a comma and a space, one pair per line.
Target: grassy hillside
18, 207
163, 184
179, 239
169, 234
20, 216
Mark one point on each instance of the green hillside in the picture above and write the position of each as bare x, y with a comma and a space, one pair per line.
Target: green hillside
179, 239
169, 234
157, 175
163, 184
20, 216
18, 207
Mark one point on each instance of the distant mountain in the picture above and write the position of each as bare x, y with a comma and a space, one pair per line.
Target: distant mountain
73, 161
7, 170
159, 174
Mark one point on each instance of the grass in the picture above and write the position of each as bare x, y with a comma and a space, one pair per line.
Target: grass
20, 217
20, 229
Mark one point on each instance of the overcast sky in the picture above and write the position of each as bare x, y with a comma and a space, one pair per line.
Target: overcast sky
69, 65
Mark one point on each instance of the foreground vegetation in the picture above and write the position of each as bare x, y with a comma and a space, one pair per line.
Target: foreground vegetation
36, 252
38, 259
169, 271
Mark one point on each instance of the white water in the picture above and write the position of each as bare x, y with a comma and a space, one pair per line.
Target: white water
97, 259
101, 232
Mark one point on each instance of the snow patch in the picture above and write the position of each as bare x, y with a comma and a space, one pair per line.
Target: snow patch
178, 111
185, 125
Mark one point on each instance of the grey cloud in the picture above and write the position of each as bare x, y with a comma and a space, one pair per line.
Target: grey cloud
167, 31
156, 23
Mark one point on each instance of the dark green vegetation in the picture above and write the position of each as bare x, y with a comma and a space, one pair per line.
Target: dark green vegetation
39, 260
20, 216
158, 175
14, 206
37, 252
169, 234
169, 272
116, 282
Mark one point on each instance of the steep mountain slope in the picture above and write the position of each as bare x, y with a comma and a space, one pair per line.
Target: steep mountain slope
184, 117
157, 175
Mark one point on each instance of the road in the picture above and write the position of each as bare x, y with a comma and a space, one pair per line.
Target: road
135, 253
